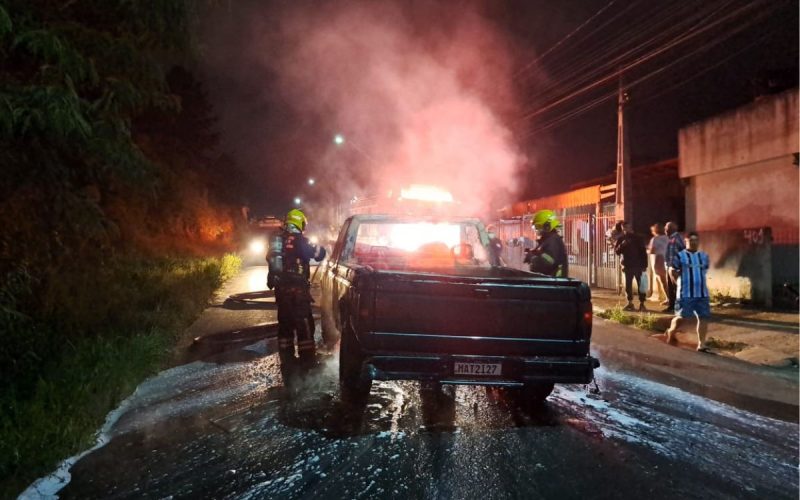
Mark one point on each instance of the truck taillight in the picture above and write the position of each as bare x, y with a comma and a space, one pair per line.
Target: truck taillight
586, 316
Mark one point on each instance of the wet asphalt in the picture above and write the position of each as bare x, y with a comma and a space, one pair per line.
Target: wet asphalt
221, 424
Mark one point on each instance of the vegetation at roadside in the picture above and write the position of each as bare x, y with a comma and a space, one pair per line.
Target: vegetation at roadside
82, 360
115, 211
645, 321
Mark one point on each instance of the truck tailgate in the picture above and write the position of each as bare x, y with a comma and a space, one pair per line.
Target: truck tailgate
456, 315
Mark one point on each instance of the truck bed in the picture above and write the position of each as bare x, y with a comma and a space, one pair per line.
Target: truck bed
492, 312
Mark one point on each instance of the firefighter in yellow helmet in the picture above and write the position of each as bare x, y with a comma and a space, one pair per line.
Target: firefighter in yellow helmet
289, 257
550, 255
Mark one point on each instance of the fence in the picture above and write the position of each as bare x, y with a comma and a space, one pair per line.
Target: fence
591, 257
606, 262
577, 233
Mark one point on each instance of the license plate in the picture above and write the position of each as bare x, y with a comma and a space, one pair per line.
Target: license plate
480, 369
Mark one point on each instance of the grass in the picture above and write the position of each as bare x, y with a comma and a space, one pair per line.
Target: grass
646, 321
64, 372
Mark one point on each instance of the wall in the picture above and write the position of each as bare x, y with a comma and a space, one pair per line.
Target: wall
740, 167
762, 130
741, 263
740, 174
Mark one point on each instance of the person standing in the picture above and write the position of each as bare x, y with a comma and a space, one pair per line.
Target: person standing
674, 246
689, 268
657, 249
288, 258
550, 255
495, 247
630, 247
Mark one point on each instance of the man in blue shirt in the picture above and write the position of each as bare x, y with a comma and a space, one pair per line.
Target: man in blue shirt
688, 268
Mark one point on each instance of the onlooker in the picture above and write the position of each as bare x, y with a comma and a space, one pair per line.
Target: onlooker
613, 235
634, 263
689, 267
495, 247
674, 246
657, 248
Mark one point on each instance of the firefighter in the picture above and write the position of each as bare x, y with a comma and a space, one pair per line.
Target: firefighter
550, 255
288, 259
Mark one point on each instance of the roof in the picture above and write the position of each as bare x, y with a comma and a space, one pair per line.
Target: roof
591, 192
664, 167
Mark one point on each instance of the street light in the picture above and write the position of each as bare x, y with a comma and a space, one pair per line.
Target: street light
339, 140
297, 200
311, 181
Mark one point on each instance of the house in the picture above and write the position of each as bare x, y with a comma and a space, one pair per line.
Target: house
740, 170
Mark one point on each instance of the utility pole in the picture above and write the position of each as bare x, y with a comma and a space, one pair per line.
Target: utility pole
624, 204
623, 210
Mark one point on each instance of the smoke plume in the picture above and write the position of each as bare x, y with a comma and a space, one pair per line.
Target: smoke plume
420, 91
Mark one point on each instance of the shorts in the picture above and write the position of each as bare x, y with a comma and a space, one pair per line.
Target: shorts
686, 308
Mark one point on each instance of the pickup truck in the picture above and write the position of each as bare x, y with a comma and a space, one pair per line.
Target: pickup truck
415, 298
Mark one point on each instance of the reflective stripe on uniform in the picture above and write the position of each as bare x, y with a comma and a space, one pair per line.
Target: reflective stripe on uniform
548, 258
285, 342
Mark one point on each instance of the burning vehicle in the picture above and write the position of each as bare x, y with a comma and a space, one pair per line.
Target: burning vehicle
415, 297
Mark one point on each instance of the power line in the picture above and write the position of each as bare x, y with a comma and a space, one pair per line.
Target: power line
564, 39
599, 100
688, 36
622, 62
582, 72
684, 81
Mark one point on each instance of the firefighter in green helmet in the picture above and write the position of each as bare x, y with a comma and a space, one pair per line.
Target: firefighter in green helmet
550, 255
289, 256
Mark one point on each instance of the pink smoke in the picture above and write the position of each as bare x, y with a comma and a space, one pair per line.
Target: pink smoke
421, 96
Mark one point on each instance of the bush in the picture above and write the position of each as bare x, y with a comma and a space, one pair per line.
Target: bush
101, 336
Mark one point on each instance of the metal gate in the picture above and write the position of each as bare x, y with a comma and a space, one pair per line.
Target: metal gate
590, 253
605, 260
577, 233
508, 230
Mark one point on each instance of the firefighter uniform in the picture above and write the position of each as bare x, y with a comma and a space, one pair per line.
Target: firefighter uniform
289, 257
550, 255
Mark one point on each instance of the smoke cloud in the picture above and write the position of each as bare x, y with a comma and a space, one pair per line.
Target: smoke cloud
422, 93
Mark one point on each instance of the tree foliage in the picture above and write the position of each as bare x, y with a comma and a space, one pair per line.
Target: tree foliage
77, 78
106, 139
107, 151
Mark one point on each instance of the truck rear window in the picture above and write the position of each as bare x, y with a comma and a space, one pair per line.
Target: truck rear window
441, 247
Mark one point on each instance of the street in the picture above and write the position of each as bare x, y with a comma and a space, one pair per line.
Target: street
221, 425
590, 210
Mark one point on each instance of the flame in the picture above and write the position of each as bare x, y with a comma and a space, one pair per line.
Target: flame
424, 192
410, 237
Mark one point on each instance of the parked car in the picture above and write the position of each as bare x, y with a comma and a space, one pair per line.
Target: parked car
414, 297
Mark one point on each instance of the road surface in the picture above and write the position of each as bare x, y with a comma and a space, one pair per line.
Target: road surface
221, 425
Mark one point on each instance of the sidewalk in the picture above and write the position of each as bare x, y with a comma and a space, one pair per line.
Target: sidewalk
766, 338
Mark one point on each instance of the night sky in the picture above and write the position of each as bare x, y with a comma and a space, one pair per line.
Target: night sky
266, 70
